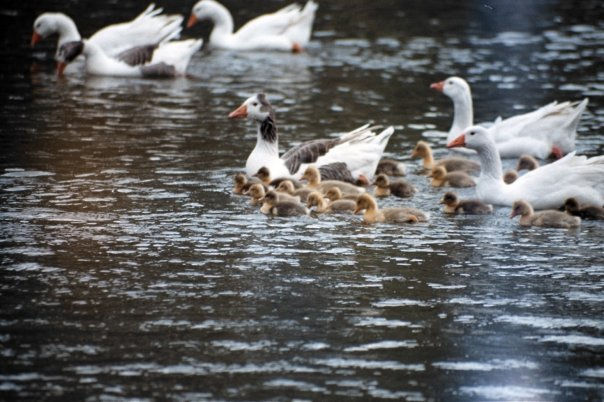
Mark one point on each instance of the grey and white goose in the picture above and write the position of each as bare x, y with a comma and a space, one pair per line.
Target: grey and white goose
359, 150
167, 59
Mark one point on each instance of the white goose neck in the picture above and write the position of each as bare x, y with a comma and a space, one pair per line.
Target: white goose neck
223, 21
66, 29
462, 112
490, 162
267, 139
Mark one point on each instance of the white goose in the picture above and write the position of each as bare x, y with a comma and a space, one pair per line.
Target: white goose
288, 29
148, 27
168, 59
550, 129
358, 151
545, 187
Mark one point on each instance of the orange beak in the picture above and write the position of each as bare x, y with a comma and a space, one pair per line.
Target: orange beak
35, 38
457, 142
192, 21
240, 112
439, 86
60, 68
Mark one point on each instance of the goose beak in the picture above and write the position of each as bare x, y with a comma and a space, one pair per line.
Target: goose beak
457, 142
192, 21
442, 201
238, 113
35, 38
60, 68
513, 214
357, 210
439, 86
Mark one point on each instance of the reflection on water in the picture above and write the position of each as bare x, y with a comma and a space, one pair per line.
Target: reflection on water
130, 270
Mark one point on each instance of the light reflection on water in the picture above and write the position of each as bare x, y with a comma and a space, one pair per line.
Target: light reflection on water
130, 270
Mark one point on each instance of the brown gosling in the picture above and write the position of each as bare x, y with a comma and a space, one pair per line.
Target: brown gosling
316, 199
272, 206
453, 205
391, 167
587, 212
313, 176
548, 218
527, 162
265, 176
422, 150
334, 194
399, 188
257, 192
287, 186
243, 183
510, 176
440, 177
393, 215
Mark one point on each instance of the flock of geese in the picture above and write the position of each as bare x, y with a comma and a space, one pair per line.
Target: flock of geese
339, 174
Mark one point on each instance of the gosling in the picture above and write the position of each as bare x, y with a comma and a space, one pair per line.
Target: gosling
323, 206
458, 179
392, 215
453, 205
398, 188
272, 206
548, 218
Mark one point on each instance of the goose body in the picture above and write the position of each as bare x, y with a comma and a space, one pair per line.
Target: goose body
441, 177
551, 129
373, 214
358, 151
545, 187
148, 27
399, 188
273, 205
548, 218
169, 59
454, 205
423, 150
288, 29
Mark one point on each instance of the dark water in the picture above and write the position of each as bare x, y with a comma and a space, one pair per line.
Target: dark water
128, 270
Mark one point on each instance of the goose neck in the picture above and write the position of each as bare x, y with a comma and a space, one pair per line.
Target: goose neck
462, 113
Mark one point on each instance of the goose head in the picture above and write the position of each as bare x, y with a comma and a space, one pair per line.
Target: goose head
449, 199
256, 108
453, 87
474, 137
314, 199
571, 205
527, 162
204, 10
270, 198
312, 175
365, 202
510, 176
240, 180
422, 150
264, 175
256, 191
44, 26
67, 53
438, 172
333, 193
381, 181
286, 186
522, 208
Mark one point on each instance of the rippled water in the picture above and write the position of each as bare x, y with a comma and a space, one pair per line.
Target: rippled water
129, 270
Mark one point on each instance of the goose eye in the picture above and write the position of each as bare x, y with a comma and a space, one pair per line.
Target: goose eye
472, 133
255, 104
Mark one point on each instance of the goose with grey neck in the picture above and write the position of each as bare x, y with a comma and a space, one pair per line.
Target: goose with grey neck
287, 29
149, 27
359, 151
549, 130
545, 187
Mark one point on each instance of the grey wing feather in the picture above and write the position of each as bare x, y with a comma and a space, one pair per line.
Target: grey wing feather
138, 55
158, 70
307, 152
336, 171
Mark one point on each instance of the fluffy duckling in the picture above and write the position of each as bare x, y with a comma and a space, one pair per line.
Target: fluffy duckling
395, 215
265, 176
454, 205
588, 212
547, 218
527, 162
334, 194
313, 176
287, 186
391, 167
316, 199
398, 188
510, 176
243, 183
257, 192
422, 150
440, 177
272, 206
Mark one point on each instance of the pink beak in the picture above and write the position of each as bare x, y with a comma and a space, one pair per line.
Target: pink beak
439, 86
240, 112
460, 141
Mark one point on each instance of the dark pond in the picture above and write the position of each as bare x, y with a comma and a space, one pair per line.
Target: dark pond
129, 270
